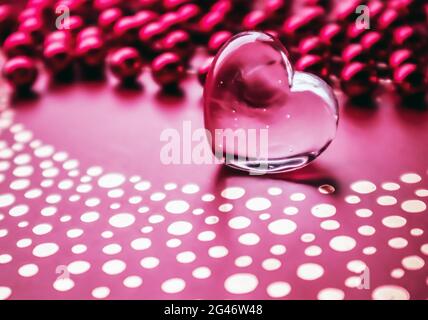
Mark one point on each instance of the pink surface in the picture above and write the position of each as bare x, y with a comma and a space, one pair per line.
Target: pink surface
118, 130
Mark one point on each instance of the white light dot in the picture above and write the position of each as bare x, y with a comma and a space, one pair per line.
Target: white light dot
258, 204
241, 283
174, 285
310, 271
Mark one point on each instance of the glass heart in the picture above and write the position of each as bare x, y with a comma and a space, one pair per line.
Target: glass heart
261, 115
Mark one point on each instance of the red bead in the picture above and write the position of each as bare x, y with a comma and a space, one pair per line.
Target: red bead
91, 51
126, 30
172, 4
20, 72
332, 34
354, 52
188, 13
273, 6
344, 11
149, 4
374, 44
108, 18
144, 17
312, 45
375, 8
75, 24
222, 7
126, 64
254, 19
400, 57
178, 42
217, 40
169, 19
389, 18
57, 56
303, 22
106, 4
313, 64
78, 7
354, 33
356, 80
89, 32
204, 69
34, 27
28, 13
210, 21
59, 36
410, 79
406, 36
167, 69
151, 33
18, 43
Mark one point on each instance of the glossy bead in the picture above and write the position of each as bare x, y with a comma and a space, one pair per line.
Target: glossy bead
312, 45
57, 56
254, 20
375, 7
173, 4
167, 69
210, 21
224, 7
149, 4
59, 36
354, 52
89, 32
20, 72
400, 57
303, 22
406, 36
18, 43
312, 64
356, 80
188, 13
344, 11
169, 20
126, 30
410, 79
106, 4
77, 7
76, 24
90, 51
272, 7
388, 19
144, 17
332, 34
34, 27
125, 64
28, 13
354, 33
217, 40
108, 18
178, 42
151, 33
204, 69
375, 44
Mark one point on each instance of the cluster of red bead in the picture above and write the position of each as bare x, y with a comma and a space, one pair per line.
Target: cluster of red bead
126, 35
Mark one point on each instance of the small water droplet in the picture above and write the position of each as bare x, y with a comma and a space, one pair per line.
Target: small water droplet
326, 189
